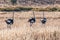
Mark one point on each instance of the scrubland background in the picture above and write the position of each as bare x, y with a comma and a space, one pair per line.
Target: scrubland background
21, 29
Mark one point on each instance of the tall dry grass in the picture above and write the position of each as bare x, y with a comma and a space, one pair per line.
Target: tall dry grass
51, 31
24, 34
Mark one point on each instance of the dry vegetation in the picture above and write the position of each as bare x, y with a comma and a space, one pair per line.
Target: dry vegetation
24, 34
21, 29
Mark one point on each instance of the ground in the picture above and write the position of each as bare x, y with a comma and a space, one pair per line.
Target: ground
21, 29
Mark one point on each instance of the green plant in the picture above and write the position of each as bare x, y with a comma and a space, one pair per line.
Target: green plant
53, 9
25, 9
13, 1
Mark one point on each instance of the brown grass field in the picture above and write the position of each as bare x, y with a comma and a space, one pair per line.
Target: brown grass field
21, 29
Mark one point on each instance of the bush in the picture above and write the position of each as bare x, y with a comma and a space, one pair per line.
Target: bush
25, 9
13, 1
28, 9
53, 9
7, 9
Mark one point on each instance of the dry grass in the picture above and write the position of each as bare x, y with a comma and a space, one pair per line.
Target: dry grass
21, 29
20, 34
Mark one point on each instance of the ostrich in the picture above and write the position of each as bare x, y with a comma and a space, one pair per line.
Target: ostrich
32, 19
44, 19
10, 21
